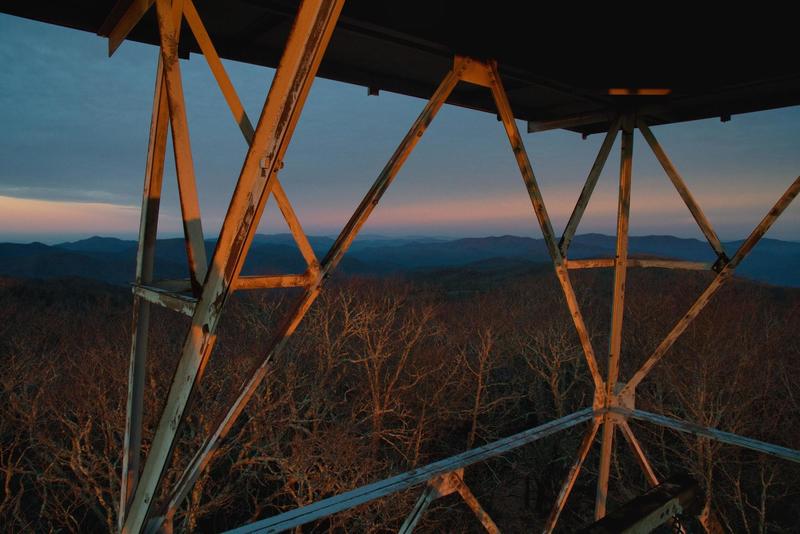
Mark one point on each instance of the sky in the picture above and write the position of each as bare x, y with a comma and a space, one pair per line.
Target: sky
75, 126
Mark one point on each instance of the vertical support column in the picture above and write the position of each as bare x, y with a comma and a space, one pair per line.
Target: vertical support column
306, 44
621, 261
145, 259
617, 311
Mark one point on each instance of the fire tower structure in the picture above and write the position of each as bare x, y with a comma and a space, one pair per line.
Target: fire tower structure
445, 52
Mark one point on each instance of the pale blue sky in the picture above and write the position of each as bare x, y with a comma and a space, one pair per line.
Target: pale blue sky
75, 128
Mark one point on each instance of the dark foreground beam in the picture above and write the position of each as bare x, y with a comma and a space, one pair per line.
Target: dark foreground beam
657, 507
409, 479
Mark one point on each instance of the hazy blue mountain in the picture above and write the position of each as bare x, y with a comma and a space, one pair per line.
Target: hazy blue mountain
113, 260
100, 244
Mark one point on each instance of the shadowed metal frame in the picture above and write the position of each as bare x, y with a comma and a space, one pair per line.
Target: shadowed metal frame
203, 295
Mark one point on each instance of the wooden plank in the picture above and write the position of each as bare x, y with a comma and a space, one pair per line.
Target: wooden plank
778, 451
572, 476
724, 274
329, 263
145, 261
507, 117
184, 304
588, 187
169, 27
306, 44
683, 190
409, 479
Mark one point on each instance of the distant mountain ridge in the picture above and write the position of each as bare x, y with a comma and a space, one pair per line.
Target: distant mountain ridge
113, 260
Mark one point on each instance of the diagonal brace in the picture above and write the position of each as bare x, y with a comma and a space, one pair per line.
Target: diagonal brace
334, 255
723, 276
507, 116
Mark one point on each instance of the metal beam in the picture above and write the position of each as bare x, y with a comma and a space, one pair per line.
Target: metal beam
215, 64
724, 274
245, 125
638, 452
272, 281
778, 451
306, 44
420, 507
184, 304
331, 261
145, 260
572, 476
169, 17
588, 187
507, 116
441, 486
621, 258
617, 311
488, 523
376, 490
683, 190
603, 263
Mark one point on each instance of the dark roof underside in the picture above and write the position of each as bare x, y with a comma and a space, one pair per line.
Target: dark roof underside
554, 65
